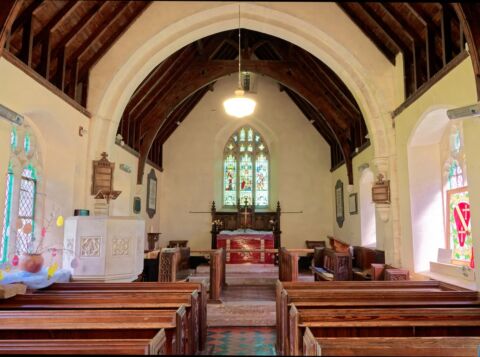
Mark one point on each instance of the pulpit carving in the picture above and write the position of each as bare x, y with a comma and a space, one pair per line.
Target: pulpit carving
90, 246
120, 246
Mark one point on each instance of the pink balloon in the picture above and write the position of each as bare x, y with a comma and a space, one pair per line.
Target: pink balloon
44, 232
19, 223
54, 252
27, 228
15, 261
74, 263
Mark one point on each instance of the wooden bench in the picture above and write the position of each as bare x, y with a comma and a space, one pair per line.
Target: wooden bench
287, 265
388, 272
147, 286
310, 295
362, 260
218, 258
96, 324
331, 265
173, 264
338, 245
374, 322
116, 299
389, 346
153, 346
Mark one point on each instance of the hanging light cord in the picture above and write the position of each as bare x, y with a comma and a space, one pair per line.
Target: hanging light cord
239, 52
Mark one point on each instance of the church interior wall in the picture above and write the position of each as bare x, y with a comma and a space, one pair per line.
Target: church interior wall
55, 124
456, 89
127, 183
350, 231
300, 163
153, 37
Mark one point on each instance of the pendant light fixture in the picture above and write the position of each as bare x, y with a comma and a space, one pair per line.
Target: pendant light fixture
239, 106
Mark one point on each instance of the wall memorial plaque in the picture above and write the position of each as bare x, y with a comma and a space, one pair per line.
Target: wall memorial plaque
339, 203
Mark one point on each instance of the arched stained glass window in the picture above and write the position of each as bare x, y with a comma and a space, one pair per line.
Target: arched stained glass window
26, 206
459, 235
246, 169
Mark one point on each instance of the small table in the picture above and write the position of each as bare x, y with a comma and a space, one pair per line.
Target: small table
177, 243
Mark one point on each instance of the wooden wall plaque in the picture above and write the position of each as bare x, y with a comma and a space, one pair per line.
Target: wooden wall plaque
102, 176
381, 190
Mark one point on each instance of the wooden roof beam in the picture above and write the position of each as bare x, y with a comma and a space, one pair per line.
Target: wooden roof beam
369, 33
43, 37
83, 71
25, 16
203, 73
9, 10
75, 56
59, 50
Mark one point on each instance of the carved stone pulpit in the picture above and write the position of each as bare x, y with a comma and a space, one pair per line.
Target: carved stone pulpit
104, 248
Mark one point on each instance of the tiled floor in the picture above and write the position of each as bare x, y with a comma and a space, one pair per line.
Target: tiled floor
241, 341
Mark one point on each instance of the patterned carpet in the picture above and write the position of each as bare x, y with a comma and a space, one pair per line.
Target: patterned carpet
241, 341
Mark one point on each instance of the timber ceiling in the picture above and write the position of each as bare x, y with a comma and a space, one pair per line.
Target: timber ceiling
62, 39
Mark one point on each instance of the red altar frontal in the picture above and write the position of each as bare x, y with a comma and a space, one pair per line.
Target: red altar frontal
247, 240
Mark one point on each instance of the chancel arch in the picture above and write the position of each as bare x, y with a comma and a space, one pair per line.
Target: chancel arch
130, 75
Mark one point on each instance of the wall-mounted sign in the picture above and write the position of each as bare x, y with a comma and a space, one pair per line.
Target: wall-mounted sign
339, 203
381, 190
151, 193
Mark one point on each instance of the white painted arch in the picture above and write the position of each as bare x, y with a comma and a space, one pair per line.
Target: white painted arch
225, 17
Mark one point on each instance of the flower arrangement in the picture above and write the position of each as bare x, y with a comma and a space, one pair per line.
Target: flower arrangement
32, 245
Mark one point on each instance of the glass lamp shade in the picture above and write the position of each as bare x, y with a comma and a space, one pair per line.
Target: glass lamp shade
239, 106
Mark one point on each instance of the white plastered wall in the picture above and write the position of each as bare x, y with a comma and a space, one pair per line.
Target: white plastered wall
192, 177
64, 153
456, 89
350, 231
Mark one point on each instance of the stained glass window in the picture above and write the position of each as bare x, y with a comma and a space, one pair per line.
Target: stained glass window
455, 176
457, 211
459, 227
230, 181
261, 183
246, 175
245, 169
13, 138
26, 207
6, 216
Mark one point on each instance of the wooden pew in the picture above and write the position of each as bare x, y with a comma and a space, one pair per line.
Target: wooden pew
362, 260
331, 265
96, 324
115, 299
374, 322
389, 346
287, 265
173, 264
147, 286
305, 294
388, 272
153, 346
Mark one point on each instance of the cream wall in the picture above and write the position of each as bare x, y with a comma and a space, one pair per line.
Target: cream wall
350, 231
63, 152
456, 89
127, 183
300, 162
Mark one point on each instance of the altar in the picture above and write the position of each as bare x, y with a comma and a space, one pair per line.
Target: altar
247, 239
246, 228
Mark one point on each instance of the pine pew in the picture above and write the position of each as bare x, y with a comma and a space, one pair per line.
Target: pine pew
147, 286
153, 346
115, 299
394, 322
389, 346
326, 294
96, 324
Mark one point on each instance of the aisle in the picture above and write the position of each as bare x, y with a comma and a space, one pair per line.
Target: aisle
241, 341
